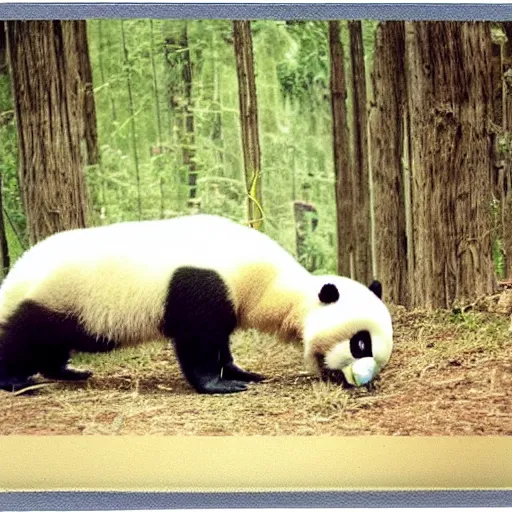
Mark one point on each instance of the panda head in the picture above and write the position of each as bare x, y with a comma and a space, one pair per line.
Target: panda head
348, 335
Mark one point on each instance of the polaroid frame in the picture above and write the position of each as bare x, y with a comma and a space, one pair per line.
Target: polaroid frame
122, 473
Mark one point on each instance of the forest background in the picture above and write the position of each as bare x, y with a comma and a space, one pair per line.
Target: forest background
370, 149
353, 144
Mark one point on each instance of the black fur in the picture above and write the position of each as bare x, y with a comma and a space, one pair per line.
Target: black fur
329, 294
334, 376
199, 317
35, 339
376, 288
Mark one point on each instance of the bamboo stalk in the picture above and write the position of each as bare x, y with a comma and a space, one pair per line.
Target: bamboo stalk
132, 118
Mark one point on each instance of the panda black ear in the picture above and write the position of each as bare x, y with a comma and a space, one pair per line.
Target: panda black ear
329, 294
376, 287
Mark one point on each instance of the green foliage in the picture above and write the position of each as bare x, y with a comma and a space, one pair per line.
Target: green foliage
498, 258
319, 256
11, 197
303, 73
292, 80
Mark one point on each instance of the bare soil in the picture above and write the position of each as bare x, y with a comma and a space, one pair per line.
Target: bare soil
450, 374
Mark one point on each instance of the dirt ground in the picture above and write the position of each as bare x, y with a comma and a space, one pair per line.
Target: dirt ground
450, 374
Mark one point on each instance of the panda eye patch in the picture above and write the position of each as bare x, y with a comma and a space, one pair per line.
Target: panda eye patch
361, 345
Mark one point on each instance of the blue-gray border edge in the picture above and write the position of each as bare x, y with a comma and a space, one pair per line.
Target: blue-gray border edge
49, 500
76, 501
381, 11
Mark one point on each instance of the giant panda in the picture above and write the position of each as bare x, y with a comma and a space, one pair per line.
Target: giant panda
193, 280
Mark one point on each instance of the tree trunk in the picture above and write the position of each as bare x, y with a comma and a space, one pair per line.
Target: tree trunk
160, 148
189, 152
217, 135
181, 104
506, 185
386, 129
4, 248
249, 120
133, 126
48, 97
5, 260
342, 171
361, 193
306, 221
89, 109
451, 151
4, 67
502, 116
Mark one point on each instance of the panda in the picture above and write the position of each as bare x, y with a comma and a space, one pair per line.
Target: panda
193, 280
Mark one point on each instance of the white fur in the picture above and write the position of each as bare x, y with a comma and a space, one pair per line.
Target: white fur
116, 277
339, 356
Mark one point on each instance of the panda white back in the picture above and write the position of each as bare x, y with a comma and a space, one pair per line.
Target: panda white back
116, 277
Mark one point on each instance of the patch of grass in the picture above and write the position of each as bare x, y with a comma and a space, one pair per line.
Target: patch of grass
328, 399
137, 358
448, 375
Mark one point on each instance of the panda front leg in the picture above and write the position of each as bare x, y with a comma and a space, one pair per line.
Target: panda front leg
230, 371
199, 361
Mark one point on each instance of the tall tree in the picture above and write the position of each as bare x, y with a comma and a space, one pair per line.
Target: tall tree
361, 184
158, 150
216, 134
189, 152
506, 124
343, 174
181, 101
89, 108
451, 151
5, 260
3, 49
387, 115
502, 117
4, 247
133, 124
249, 120
48, 96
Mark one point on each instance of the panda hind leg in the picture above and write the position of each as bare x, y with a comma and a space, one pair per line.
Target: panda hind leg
214, 384
35, 340
67, 373
13, 384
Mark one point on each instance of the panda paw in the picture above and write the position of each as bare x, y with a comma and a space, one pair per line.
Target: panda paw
216, 385
68, 373
14, 384
232, 372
